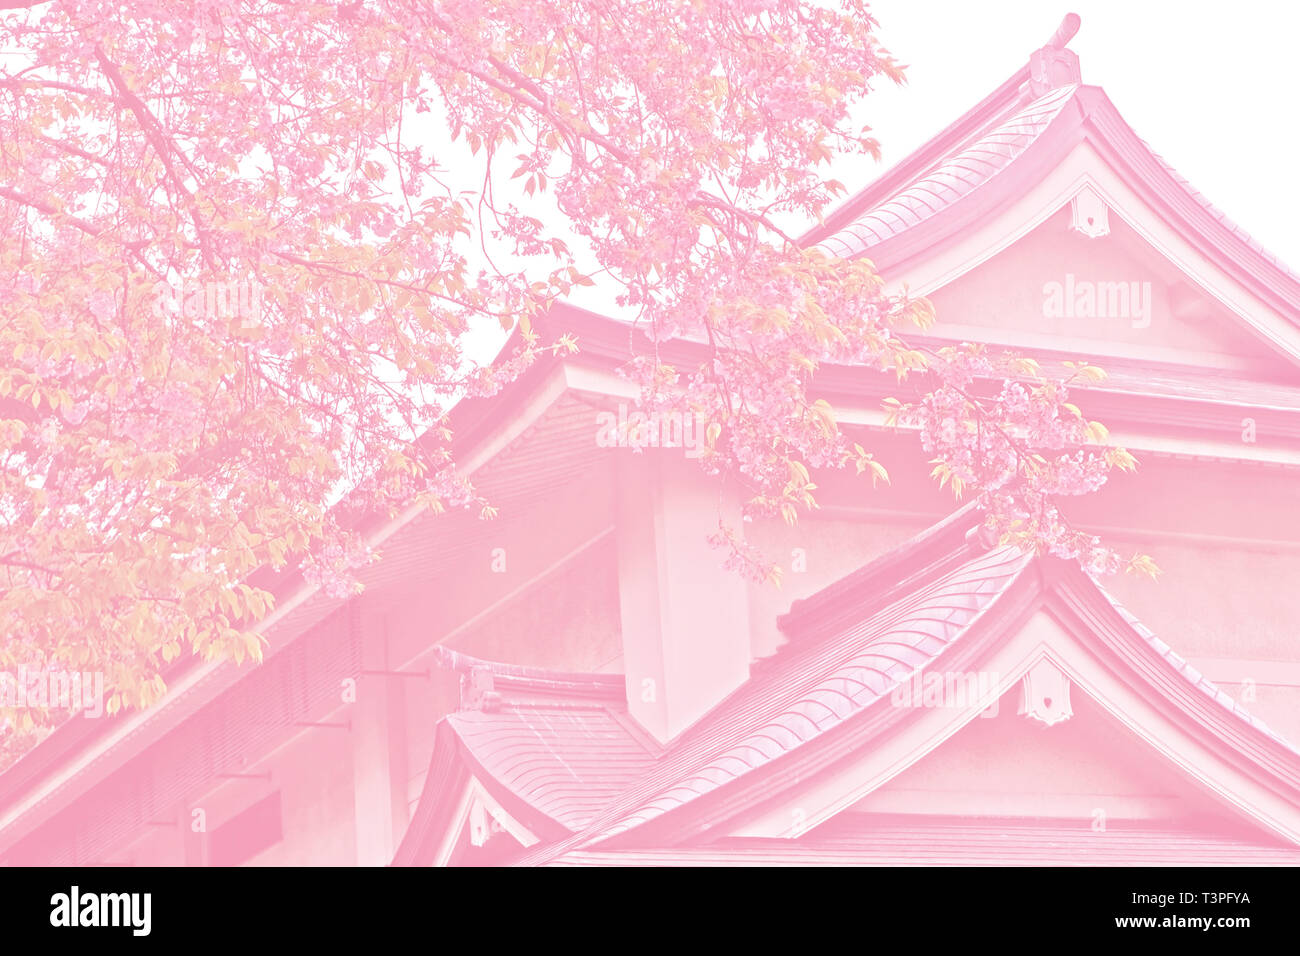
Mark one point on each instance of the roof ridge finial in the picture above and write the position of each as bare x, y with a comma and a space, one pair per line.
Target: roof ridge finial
1065, 32
1054, 66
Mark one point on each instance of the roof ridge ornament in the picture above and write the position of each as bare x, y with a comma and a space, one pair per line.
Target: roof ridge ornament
478, 690
1053, 66
980, 538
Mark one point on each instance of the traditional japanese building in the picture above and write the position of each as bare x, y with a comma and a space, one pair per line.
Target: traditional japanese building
579, 682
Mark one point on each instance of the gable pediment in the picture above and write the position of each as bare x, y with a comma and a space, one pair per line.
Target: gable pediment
1114, 295
1088, 771
1142, 738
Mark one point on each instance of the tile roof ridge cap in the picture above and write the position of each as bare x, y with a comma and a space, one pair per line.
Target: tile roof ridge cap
1006, 99
948, 537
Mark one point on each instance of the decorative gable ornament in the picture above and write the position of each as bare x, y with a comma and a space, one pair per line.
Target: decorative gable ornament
1045, 694
1089, 214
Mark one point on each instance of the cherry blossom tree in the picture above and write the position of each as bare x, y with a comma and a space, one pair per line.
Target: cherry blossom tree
245, 241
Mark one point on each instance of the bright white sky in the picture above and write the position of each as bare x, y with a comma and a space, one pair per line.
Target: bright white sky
1210, 86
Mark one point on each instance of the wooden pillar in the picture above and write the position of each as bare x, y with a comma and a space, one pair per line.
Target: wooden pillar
378, 748
685, 621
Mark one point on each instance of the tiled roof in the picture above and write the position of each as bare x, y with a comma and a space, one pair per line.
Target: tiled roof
952, 179
567, 762
818, 687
